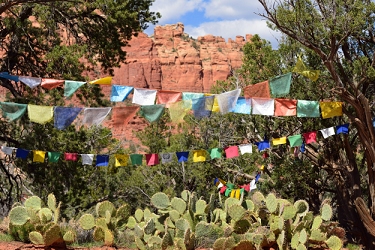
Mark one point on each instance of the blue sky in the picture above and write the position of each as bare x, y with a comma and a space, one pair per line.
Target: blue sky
226, 18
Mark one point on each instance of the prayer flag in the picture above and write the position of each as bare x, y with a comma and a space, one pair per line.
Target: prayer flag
53, 156
342, 129
166, 157
280, 85
38, 155
182, 156
253, 185
215, 105
40, 114
168, 97
227, 101
71, 86
122, 115
279, 141
300, 68
152, 159
144, 96
248, 148
260, 90
64, 116
51, 83
136, 159
87, 159
70, 156
32, 82
152, 113
178, 110
190, 96
202, 107
285, 107
231, 152
7, 150
307, 108
102, 160
22, 153
199, 155
95, 116
302, 149
331, 109
263, 106
295, 140
243, 106
216, 153
262, 145
105, 80
13, 111
327, 132
6, 75
121, 160
120, 93
309, 137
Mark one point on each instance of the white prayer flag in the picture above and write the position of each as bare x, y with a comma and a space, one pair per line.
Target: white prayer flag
248, 148
95, 116
262, 106
144, 97
253, 185
32, 82
227, 101
166, 157
327, 132
7, 150
87, 159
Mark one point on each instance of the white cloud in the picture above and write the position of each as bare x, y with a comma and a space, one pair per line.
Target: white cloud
232, 28
174, 9
233, 9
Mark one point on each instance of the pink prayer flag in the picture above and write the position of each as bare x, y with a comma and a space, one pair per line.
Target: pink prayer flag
71, 156
285, 107
231, 152
152, 159
168, 97
51, 83
309, 137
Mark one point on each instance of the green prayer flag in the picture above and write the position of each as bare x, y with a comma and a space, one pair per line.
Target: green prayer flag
152, 113
295, 140
216, 153
280, 85
13, 111
136, 159
71, 86
308, 108
53, 156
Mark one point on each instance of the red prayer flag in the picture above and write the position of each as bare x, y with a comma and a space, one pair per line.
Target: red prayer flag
231, 152
152, 159
222, 190
168, 97
71, 156
309, 137
51, 83
285, 107
122, 115
261, 89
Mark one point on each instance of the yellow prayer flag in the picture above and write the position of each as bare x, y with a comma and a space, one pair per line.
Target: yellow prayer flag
238, 194
300, 68
215, 106
38, 155
261, 168
232, 193
331, 109
199, 155
121, 160
40, 114
105, 80
279, 141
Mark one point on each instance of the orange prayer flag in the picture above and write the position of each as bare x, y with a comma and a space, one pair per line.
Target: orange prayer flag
285, 107
122, 115
51, 83
261, 89
168, 97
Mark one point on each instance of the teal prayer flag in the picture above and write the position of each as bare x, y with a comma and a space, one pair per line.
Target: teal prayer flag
308, 108
71, 86
295, 140
152, 113
280, 85
13, 111
216, 153
53, 156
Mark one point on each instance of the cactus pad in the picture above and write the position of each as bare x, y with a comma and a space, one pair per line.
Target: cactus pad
302, 207
149, 227
52, 235
185, 195
317, 236
166, 241
249, 205
123, 212
138, 215
301, 247
236, 212
101, 222
87, 221
178, 204
289, 212
45, 212
131, 222
200, 207
219, 244
317, 222
174, 215
295, 240
326, 212
271, 203
229, 202
36, 238
303, 236
34, 202
108, 237
334, 243
70, 236
160, 200
241, 226
51, 202
104, 206
98, 234
182, 224
244, 245
258, 198
18, 216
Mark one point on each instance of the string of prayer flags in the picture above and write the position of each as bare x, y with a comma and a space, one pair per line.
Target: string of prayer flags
248, 148
231, 152
168, 97
190, 96
13, 111
262, 145
6, 75
103, 81
152, 113
301, 68
152, 159
309, 137
40, 114
87, 159
30, 81
215, 105
227, 101
295, 140
285, 107
179, 110
308, 108
70, 87
279, 141
70, 156
136, 159
39, 155
166, 157
53, 156
216, 153
280, 85
48, 83
22, 153
144, 96
199, 155
119, 93
7, 150
331, 109
95, 116
182, 156
260, 90
122, 115
342, 129
243, 106
263, 106
121, 160
202, 107
64, 116
327, 132
102, 160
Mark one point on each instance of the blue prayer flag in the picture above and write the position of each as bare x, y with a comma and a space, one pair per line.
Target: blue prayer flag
263, 145
243, 106
9, 77
64, 116
120, 93
342, 129
102, 160
182, 156
22, 153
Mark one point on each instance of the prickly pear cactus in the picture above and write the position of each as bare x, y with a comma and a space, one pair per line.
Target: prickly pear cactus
160, 200
18, 216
